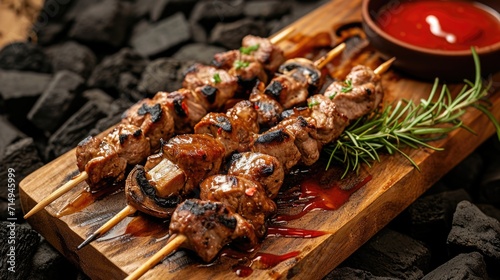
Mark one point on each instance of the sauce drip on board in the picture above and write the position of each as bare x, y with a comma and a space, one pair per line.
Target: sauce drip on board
444, 25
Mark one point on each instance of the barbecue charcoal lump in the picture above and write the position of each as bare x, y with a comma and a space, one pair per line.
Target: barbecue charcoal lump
163, 74
207, 12
57, 101
199, 52
27, 241
73, 57
106, 74
392, 254
463, 266
50, 24
20, 90
162, 36
164, 8
347, 273
472, 230
8, 136
113, 115
24, 56
76, 128
105, 23
47, 263
271, 9
467, 174
22, 156
229, 35
127, 86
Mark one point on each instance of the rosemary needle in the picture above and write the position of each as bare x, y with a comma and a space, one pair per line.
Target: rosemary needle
407, 124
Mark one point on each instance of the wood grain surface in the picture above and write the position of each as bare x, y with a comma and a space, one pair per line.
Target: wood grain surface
395, 184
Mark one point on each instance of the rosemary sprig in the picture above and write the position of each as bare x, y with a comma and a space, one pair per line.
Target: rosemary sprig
406, 124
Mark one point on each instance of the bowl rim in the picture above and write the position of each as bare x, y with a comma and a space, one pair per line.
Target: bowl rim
368, 19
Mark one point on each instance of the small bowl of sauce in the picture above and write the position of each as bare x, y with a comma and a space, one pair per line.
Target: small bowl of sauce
433, 38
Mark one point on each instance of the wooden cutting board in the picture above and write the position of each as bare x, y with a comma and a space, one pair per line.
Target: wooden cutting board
394, 185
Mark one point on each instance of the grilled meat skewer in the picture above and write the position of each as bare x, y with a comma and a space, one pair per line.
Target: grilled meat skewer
202, 87
187, 234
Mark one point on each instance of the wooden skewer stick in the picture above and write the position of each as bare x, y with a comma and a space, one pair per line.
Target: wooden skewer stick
320, 63
174, 242
58, 193
125, 212
382, 68
281, 35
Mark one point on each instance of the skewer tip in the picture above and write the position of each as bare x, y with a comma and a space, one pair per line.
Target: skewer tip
87, 241
57, 193
323, 61
280, 36
382, 68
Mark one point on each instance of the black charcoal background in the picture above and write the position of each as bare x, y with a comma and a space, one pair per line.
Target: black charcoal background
94, 58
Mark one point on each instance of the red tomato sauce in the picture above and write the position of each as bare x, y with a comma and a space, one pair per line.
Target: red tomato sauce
444, 25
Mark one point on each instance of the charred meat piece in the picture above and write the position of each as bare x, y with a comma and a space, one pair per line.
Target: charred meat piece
244, 120
219, 126
304, 132
216, 85
209, 226
197, 155
241, 195
245, 67
262, 168
186, 106
329, 122
268, 109
264, 51
299, 78
280, 143
358, 95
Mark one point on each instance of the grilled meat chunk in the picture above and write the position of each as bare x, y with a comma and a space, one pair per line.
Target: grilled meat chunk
209, 226
153, 119
215, 84
358, 95
243, 196
268, 109
280, 143
244, 119
305, 138
197, 155
245, 67
329, 122
262, 168
299, 78
187, 108
264, 51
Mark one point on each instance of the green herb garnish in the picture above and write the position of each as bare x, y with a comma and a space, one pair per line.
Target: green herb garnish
216, 78
348, 86
406, 124
312, 104
241, 64
249, 49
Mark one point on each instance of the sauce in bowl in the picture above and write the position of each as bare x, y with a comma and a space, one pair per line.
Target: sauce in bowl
444, 25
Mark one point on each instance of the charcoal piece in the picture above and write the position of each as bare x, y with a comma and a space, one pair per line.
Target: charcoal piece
472, 230
162, 36
48, 34
164, 8
26, 243
105, 23
24, 56
431, 216
47, 263
8, 136
106, 74
20, 90
73, 57
392, 254
348, 273
198, 32
98, 96
163, 74
114, 115
75, 129
77, 7
56, 102
22, 157
271, 9
489, 187
463, 266
466, 174
208, 12
127, 86
199, 52
229, 35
